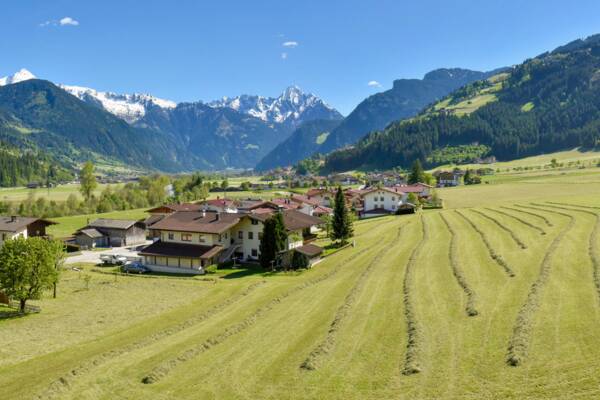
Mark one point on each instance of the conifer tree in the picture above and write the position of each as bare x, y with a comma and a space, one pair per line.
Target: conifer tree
342, 228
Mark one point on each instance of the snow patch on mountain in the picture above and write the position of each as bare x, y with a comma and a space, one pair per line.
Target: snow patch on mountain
19, 76
130, 107
289, 106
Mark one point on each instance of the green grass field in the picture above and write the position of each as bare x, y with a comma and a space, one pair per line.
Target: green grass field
59, 193
68, 225
436, 305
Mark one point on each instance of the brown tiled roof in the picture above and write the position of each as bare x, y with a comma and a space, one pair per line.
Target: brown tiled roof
8, 225
92, 233
151, 220
293, 220
112, 223
196, 222
395, 190
168, 249
178, 207
304, 199
311, 250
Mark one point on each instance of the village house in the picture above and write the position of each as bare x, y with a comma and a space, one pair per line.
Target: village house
384, 201
448, 178
13, 227
105, 232
188, 241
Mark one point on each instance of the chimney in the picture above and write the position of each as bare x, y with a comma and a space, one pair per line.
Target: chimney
203, 212
218, 216
13, 218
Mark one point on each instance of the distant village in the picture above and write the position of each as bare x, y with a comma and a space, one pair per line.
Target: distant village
189, 237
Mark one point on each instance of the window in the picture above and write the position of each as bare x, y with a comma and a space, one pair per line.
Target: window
171, 236
259, 235
250, 235
254, 222
254, 253
393, 198
201, 239
186, 237
240, 235
381, 198
220, 238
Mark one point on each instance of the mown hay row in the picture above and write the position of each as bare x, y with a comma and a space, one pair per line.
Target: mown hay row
540, 216
518, 346
312, 361
457, 271
64, 382
565, 208
593, 240
512, 234
521, 220
574, 205
412, 363
493, 254
164, 368
530, 206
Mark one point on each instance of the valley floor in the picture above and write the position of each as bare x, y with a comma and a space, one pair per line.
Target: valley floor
507, 273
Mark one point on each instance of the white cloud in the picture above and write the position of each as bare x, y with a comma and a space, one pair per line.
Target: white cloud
290, 44
374, 84
68, 21
284, 56
65, 21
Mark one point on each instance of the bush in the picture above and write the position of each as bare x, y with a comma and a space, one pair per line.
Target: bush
300, 261
211, 269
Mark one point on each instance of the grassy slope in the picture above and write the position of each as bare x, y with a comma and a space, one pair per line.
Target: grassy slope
461, 357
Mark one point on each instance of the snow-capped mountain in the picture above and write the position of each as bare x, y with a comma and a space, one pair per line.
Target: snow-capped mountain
291, 108
130, 107
20, 76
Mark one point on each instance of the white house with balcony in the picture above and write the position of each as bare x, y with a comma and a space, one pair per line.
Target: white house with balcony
383, 201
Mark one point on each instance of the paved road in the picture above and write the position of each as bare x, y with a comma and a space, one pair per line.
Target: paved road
93, 257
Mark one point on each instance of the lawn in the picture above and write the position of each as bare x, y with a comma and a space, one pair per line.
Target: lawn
58, 193
436, 305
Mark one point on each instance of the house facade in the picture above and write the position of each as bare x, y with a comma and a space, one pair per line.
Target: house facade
382, 201
12, 227
106, 232
189, 241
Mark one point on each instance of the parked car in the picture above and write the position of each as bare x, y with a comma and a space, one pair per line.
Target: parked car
113, 259
134, 267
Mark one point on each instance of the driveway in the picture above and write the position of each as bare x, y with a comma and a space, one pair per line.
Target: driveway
93, 257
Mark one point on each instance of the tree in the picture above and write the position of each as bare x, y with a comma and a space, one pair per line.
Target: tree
467, 177
245, 186
299, 261
87, 180
416, 174
342, 228
224, 184
28, 267
274, 238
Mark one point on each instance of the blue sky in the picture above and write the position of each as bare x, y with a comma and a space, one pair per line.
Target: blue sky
189, 50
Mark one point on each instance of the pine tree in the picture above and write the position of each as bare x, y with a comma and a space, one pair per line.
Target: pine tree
342, 228
416, 174
274, 238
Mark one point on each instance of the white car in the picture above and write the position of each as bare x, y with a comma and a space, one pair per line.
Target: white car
113, 259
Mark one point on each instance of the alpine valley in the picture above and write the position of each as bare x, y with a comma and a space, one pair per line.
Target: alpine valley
73, 123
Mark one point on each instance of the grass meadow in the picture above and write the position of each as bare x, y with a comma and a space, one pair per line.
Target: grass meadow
496, 296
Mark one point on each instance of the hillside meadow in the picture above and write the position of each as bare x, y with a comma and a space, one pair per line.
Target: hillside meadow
496, 296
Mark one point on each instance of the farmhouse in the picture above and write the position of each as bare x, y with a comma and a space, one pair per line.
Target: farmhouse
382, 201
13, 227
188, 241
448, 178
111, 233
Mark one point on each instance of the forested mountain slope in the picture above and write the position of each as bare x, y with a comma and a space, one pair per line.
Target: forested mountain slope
547, 103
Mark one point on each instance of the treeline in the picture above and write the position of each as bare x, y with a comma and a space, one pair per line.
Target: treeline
19, 169
149, 191
562, 94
